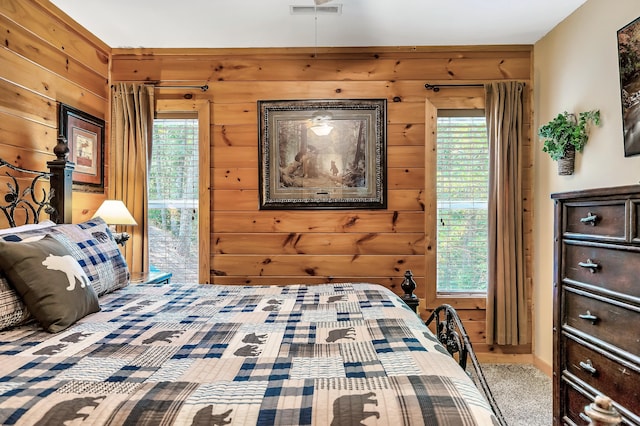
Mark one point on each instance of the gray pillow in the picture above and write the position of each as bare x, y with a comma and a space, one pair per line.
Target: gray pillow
50, 281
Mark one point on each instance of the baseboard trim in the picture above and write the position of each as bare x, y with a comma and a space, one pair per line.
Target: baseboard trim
543, 366
498, 358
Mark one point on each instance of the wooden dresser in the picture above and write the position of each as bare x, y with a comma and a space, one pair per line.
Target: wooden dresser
596, 302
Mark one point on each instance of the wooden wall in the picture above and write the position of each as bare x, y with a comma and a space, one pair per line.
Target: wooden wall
46, 58
249, 246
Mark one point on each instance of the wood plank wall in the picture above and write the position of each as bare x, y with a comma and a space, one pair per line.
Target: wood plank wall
249, 246
45, 58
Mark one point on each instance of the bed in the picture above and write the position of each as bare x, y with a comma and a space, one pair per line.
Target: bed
81, 345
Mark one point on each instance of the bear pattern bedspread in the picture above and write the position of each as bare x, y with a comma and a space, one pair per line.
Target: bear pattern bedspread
190, 354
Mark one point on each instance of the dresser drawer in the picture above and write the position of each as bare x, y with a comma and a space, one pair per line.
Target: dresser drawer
613, 323
596, 219
611, 378
575, 401
635, 215
615, 268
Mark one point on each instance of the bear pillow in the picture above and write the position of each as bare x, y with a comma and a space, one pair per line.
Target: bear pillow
52, 284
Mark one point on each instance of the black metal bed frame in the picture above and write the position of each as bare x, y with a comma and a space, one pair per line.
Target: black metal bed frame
451, 333
56, 202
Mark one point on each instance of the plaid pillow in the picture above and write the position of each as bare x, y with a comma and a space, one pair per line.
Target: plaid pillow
92, 245
12, 310
98, 254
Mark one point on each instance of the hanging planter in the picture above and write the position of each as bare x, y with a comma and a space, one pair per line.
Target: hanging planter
567, 161
566, 134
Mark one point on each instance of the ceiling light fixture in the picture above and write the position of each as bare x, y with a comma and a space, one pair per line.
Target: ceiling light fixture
319, 8
335, 9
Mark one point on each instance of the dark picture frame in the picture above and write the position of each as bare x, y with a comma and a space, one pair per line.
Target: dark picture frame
342, 169
85, 137
629, 66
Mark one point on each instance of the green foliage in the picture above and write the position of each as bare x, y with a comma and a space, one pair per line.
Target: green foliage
463, 251
565, 130
462, 193
173, 197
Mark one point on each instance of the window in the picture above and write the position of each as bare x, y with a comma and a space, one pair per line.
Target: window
462, 199
173, 198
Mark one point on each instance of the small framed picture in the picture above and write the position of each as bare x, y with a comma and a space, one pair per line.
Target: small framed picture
85, 136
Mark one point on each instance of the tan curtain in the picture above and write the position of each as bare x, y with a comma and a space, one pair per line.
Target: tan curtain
507, 316
131, 131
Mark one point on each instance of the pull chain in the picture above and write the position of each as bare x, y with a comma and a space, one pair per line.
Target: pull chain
315, 29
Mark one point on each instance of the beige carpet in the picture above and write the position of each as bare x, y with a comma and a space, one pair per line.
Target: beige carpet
523, 393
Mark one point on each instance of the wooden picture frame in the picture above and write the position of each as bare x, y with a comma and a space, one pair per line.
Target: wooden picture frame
322, 154
629, 66
85, 137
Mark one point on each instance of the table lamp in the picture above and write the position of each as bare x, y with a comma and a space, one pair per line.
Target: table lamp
114, 212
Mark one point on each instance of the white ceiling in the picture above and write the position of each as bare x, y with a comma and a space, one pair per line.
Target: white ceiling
269, 23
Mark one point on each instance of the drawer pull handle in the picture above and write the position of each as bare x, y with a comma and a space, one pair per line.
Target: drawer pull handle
588, 367
590, 219
589, 264
584, 417
589, 317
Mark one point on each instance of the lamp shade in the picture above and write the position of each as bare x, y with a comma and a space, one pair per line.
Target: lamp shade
114, 212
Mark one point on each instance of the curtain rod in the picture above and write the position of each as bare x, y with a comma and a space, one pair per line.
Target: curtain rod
155, 85
436, 87
203, 88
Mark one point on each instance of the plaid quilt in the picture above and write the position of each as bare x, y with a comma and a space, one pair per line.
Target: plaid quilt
189, 354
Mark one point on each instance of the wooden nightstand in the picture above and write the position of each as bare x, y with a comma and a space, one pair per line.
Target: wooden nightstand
153, 277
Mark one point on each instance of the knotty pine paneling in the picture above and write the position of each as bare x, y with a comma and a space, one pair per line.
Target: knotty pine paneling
249, 246
28, 135
174, 68
20, 70
53, 27
319, 243
28, 45
405, 90
308, 221
30, 105
351, 265
405, 156
46, 58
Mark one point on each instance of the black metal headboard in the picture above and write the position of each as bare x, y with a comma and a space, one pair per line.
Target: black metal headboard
56, 201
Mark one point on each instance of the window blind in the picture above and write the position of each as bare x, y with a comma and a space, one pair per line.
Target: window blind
462, 198
173, 198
